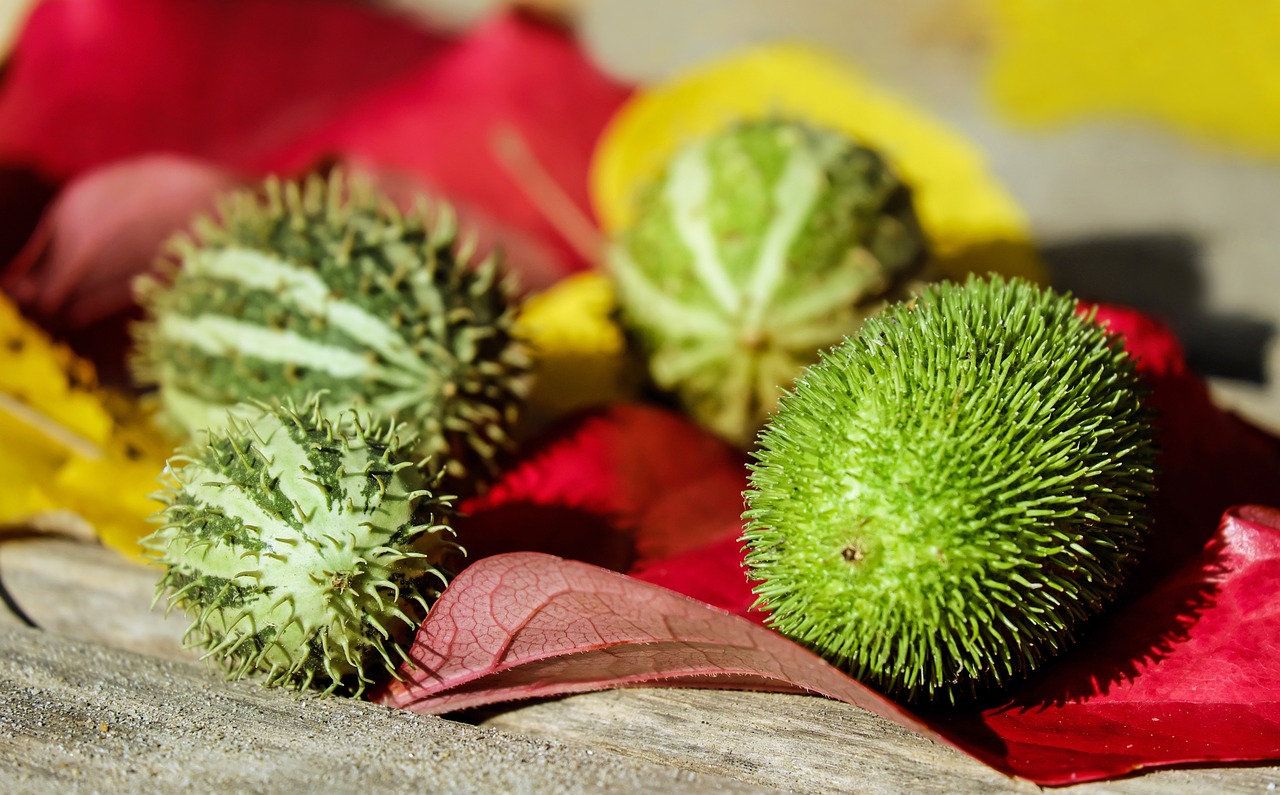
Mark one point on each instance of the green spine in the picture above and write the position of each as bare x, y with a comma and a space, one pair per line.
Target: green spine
753, 250
326, 287
942, 501
301, 548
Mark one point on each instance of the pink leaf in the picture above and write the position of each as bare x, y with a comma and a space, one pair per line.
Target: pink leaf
75, 273
105, 228
526, 624
108, 225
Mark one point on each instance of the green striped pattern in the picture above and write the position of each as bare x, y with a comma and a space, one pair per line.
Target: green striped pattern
300, 548
755, 249
325, 287
945, 499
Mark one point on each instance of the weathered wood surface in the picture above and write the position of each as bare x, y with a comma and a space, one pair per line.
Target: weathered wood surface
172, 721
81, 717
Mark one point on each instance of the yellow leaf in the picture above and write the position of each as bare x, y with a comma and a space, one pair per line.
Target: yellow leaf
581, 353
113, 492
1212, 69
43, 389
66, 445
972, 223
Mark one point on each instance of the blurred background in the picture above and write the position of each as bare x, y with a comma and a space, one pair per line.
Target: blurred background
1141, 138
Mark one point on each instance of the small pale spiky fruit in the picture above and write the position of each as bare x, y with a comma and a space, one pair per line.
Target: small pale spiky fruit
754, 249
941, 503
325, 286
301, 547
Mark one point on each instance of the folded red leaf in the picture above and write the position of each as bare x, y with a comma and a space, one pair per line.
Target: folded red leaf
235, 82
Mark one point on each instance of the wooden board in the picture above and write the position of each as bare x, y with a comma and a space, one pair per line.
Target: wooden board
81, 717
175, 719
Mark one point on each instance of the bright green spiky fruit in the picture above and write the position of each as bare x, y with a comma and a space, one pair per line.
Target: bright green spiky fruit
300, 547
754, 249
942, 501
324, 286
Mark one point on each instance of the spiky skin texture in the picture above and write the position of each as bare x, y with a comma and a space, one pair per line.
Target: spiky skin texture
753, 250
300, 548
942, 501
325, 286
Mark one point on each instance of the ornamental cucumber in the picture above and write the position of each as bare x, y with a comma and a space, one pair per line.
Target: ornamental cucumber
943, 501
302, 547
324, 286
753, 250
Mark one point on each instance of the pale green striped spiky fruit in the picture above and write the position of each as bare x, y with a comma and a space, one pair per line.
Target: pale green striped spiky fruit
942, 501
325, 287
754, 249
301, 547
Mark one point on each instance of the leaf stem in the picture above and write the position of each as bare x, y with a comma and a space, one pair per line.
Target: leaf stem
562, 212
50, 428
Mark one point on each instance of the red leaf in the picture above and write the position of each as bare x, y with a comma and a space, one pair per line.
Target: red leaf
1184, 675
510, 74
1209, 459
623, 486
234, 81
